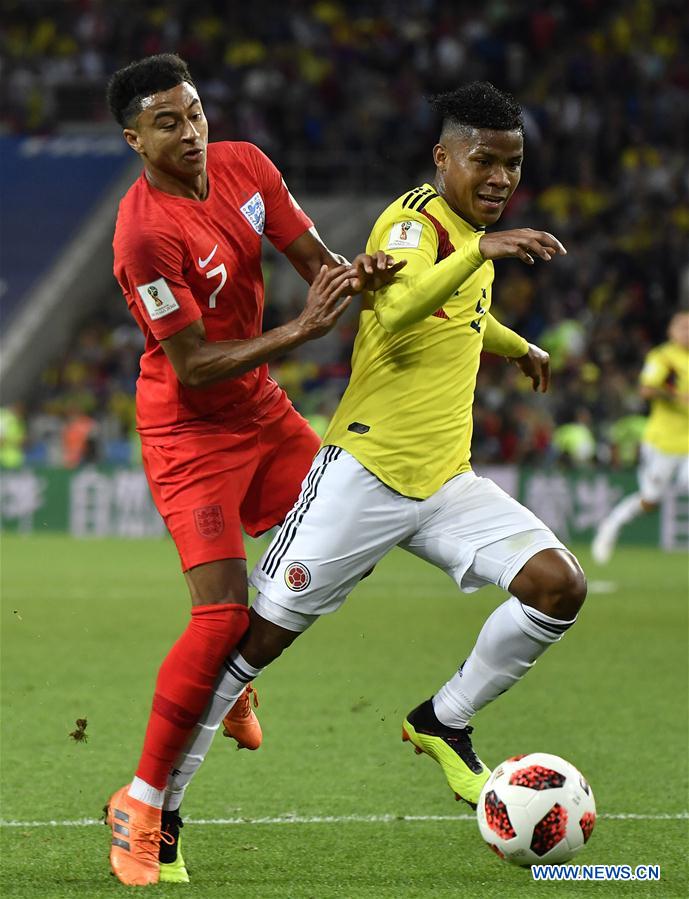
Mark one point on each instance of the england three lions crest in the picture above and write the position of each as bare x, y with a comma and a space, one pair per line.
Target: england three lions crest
255, 212
209, 520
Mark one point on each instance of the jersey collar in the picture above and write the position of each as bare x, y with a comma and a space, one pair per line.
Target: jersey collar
462, 224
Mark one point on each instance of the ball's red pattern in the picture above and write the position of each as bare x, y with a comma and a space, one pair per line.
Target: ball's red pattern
587, 822
549, 830
536, 777
497, 818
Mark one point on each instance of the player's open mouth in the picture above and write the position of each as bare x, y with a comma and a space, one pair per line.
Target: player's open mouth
193, 155
491, 202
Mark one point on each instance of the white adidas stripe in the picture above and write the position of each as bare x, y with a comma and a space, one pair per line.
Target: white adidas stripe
335, 819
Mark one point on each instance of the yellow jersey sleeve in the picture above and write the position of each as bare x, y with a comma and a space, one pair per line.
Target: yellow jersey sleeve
426, 282
501, 340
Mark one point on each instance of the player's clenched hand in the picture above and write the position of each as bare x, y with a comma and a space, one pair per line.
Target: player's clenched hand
328, 297
536, 365
521, 243
373, 272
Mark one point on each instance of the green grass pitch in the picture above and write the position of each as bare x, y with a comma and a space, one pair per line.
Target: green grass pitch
86, 624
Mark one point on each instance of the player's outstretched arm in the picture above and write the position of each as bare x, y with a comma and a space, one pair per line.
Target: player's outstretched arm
308, 253
199, 362
425, 286
667, 392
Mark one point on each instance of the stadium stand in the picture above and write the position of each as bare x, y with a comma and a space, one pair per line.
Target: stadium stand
335, 93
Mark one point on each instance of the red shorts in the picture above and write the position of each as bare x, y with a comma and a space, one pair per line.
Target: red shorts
207, 488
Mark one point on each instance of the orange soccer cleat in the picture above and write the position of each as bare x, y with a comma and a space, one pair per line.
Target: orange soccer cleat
135, 839
241, 724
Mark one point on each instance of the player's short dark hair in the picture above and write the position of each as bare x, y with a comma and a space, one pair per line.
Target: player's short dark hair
478, 104
128, 86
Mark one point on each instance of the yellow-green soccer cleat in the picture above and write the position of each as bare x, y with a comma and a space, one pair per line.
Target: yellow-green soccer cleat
172, 867
451, 748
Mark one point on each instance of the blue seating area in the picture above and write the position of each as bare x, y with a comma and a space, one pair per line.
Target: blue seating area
49, 186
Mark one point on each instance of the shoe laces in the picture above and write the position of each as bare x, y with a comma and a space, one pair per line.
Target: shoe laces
243, 705
169, 838
171, 828
148, 840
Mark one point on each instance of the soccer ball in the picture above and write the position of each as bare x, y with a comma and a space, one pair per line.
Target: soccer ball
536, 809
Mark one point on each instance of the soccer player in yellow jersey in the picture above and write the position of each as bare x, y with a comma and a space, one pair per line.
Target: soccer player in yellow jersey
665, 445
394, 468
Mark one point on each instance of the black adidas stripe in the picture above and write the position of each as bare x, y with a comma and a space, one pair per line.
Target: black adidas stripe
290, 531
548, 625
234, 669
313, 474
292, 521
291, 525
422, 196
414, 195
428, 199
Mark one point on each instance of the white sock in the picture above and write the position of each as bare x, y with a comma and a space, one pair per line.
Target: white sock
233, 678
144, 792
625, 511
511, 640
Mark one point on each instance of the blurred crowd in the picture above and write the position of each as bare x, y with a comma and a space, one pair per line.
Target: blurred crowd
334, 92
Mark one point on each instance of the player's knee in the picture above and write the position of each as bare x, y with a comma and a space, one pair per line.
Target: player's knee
555, 584
566, 589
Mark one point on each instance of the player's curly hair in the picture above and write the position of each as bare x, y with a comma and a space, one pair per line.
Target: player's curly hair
128, 86
478, 104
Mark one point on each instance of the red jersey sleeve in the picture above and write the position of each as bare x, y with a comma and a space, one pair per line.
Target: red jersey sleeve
285, 220
151, 271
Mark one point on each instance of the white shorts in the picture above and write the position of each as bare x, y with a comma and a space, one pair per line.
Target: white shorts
658, 471
346, 520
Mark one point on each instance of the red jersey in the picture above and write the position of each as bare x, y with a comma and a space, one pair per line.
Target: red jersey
178, 260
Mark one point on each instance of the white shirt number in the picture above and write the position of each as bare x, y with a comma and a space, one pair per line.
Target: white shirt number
218, 270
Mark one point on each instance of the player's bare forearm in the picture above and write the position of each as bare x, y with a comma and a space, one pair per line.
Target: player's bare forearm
668, 394
199, 362
308, 253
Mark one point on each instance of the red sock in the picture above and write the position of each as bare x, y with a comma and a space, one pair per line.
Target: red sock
185, 684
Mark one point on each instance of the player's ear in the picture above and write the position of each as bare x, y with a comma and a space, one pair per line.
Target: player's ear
440, 157
132, 138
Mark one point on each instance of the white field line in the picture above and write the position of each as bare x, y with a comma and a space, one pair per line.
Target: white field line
334, 819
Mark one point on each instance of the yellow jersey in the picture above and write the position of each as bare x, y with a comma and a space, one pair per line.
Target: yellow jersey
407, 412
668, 425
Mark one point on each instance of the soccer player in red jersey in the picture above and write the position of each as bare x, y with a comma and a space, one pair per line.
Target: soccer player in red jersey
223, 448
